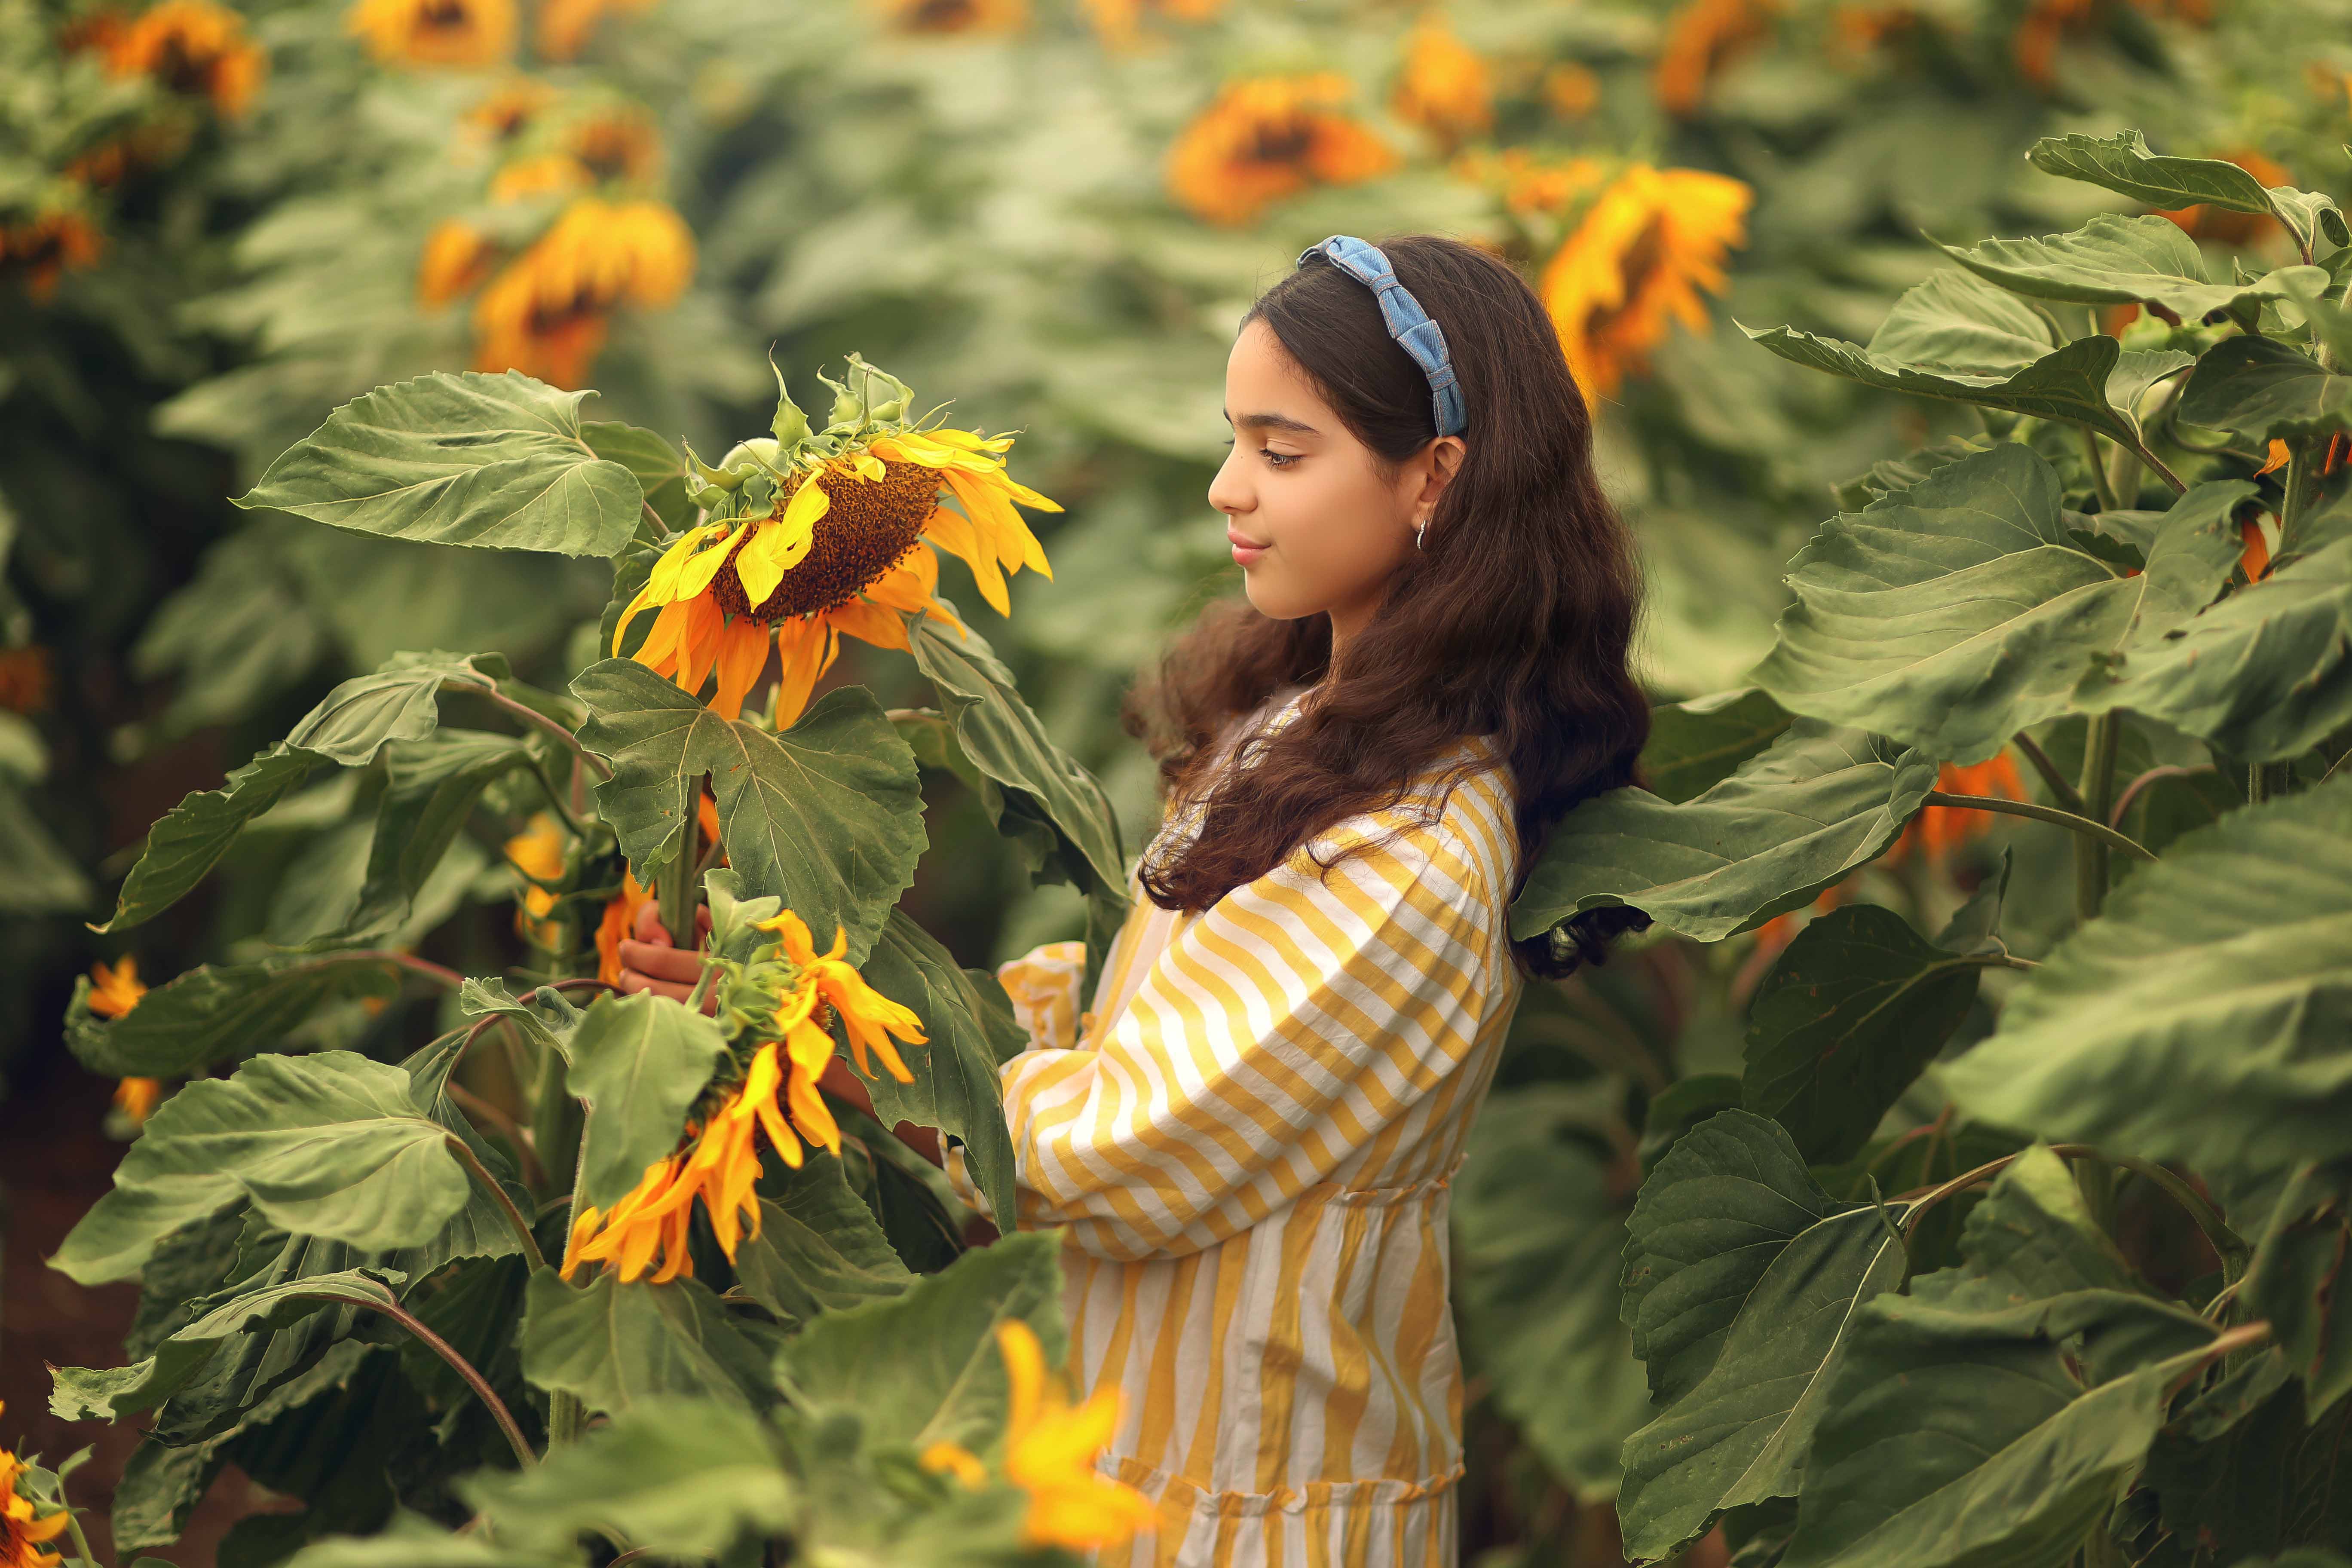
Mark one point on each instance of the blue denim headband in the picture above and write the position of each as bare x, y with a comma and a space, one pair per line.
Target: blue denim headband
1408, 323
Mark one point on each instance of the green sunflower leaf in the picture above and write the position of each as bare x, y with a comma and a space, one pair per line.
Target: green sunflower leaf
971, 1030
42, 877
330, 1145
2115, 260
1695, 746
1962, 610
2068, 383
494, 461
2124, 163
94, 1394
2262, 388
1793, 818
819, 1249
640, 1063
2228, 1053
827, 814
618, 1346
660, 471
214, 1012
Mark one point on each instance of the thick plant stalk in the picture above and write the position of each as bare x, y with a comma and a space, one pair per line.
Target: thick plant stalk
675, 886
2097, 789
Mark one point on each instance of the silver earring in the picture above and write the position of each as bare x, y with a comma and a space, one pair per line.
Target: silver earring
1419, 529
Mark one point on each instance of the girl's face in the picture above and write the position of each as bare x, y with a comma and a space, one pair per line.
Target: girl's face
1311, 522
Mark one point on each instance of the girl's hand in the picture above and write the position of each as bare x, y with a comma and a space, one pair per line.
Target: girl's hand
652, 962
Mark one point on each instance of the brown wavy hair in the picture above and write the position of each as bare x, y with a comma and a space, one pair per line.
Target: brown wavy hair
1513, 620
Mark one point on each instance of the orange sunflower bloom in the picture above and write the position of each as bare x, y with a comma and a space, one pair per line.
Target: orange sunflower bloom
191, 46
620, 919
510, 110
1049, 1451
460, 34
1267, 138
536, 855
41, 248
719, 1159
457, 257
1528, 184
547, 312
22, 1534
1571, 90
842, 552
1652, 241
1702, 38
1444, 88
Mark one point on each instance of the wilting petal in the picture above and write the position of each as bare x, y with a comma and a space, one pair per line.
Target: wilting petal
743, 655
705, 624
693, 578
959, 537
801, 642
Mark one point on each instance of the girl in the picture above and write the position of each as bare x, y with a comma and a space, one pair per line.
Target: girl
1249, 1136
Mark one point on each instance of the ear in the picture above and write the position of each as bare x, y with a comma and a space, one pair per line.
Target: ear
1438, 463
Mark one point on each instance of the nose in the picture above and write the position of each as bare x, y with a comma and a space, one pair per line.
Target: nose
1226, 492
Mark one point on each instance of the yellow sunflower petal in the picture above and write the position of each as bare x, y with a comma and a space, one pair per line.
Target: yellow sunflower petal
957, 536
793, 936
693, 578
743, 655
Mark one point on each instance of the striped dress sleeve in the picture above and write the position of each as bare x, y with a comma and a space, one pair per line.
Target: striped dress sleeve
1279, 1032
1044, 985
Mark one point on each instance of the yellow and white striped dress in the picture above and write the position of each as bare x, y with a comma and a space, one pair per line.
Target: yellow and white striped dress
1251, 1151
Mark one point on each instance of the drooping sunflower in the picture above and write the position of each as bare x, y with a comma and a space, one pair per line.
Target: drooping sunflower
1528, 184
1445, 86
1266, 137
547, 312
21, 1533
835, 538
565, 25
41, 248
465, 35
191, 46
1652, 241
1049, 1451
510, 110
718, 1158
1702, 37
457, 257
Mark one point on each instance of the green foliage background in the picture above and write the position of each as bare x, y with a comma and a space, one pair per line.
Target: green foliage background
986, 212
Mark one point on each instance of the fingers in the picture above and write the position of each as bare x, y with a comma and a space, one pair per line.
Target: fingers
634, 980
659, 960
647, 927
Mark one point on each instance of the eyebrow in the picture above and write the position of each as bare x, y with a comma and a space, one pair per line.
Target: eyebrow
1272, 422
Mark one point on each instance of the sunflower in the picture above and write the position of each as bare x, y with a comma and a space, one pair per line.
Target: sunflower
1266, 137
1049, 1451
844, 547
1653, 239
1118, 22
620, 919
27, 679
718, 1158
1702, 38
956, 15
463, 34
457, 256
191, 46
44, 247
1444, 88
21, 1534
547, 312
565, 25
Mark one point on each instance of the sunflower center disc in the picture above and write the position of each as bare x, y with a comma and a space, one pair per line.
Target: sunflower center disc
867, 529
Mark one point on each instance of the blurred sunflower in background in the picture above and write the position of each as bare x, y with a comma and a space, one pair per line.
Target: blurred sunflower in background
826, 535
1445, 86
460, 34
1267, 138
1119, 23
564, 26
1653, 240
193, 47
956, 15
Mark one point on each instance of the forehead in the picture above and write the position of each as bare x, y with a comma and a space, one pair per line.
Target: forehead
1264, 387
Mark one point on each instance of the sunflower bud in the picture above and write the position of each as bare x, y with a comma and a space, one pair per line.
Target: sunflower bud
744, 456
890, 410
719, 476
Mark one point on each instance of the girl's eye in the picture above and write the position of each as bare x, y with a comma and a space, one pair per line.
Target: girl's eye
1280, 460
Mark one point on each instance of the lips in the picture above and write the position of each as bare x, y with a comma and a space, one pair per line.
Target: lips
1242, 541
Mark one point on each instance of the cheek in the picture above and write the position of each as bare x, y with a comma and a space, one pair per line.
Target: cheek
1334, 531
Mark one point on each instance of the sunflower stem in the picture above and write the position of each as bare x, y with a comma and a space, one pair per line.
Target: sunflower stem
482, 1178
2099, 833
73, 1528
2061, 787
530, 715
2097, 789
448, 1353
2098, 465
676, 885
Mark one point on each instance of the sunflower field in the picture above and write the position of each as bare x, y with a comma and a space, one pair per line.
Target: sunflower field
452, 498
